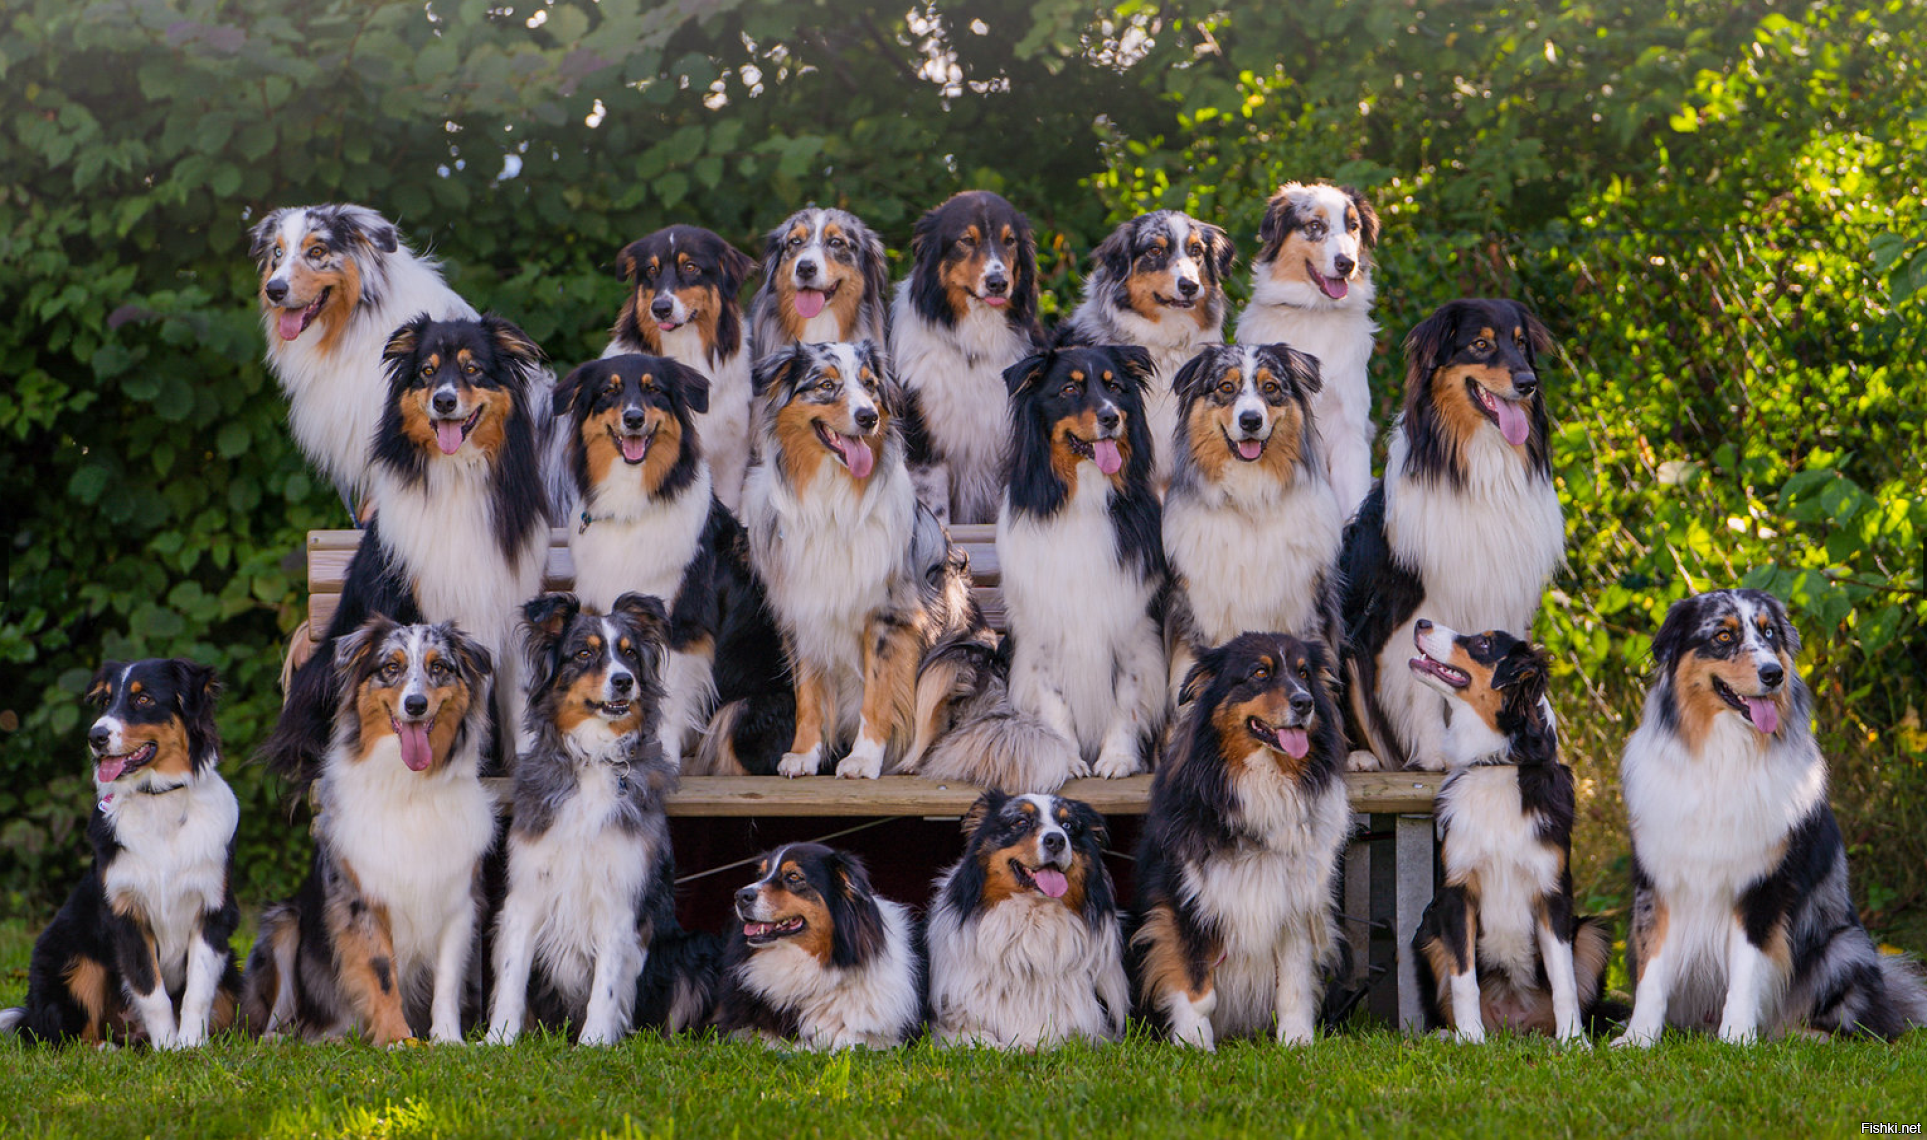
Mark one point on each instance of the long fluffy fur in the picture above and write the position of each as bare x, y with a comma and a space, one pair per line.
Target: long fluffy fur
808, 238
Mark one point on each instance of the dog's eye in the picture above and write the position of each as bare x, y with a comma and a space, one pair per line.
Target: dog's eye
1481, 345
1070, 389
316, 253
441, 670
428, 370
793, 879
1261, 673
1272, 388
1315, 229
1766, 631
966, 241
391, 671
143, 701
1227, 387
1723, 637
796, 243
470, 369
827, 386
1195, 249
837, 243
584, 654
275, 259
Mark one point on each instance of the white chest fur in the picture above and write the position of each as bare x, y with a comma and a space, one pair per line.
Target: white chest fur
873, 1005
1249, 551
1341, 336
1489, 837
174, 864
957, 373
1027, 972
444, 534
635, 541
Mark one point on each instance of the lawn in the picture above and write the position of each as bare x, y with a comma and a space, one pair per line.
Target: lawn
1373, 1082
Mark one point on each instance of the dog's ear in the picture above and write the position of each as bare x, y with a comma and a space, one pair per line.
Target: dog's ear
733, 268
261, 237
1191, 379
567, 389
691, 385
1538, 339
1219, 251
1286, 361
353, 649
1523, 675
364, 225
473, 657
1367, 217
102, 686
1281, 218
876, 270
1202, 673
198, 686
1026, 372
512, 342
921, 232
1682, 618
546, 617
1088, 818
404, 340
987, 805
774, 370
1023, 291
1133, 362
1113, 255
646, 612
629, 261
1426, 346
853, 912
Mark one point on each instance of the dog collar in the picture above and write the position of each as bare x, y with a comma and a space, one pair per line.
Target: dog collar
588, 518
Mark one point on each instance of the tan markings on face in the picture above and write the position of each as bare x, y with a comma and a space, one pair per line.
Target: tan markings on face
664, 451
87, 982
1166, 972
1297, 258
1699, 703
491, 430
600, 451
831, 372
416, 423
448, 705
961, 275
1083, 425
1479, 696
1240, 749
134, 688
579, 702
1461, 417
171, 754
1000, 881
1141, 290
800, 451
376, 708
343, 280
818, 939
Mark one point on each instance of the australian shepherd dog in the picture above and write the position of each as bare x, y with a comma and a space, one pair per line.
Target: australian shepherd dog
860, 576
1025, 946
1465, 527
650, 523
683, 283
1158, 283
379, 938
1239, 863
460, 534
1742, 921
819, 960
967, 311
590, 874
1500, 946
1311, 288
1084, 574
1251, 528
826, 279
140, 950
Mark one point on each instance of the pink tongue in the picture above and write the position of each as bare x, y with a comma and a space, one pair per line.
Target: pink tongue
108, 768
667, 326
414, 746
289, 323
858, 455
809, 302
1334, 287
1051, 881
448, 434
634, 448
1512, 421
996, 302
1295, 742
1251, 448
1109, 460
1766, 714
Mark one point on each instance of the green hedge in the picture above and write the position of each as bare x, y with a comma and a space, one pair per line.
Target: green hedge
1717, 207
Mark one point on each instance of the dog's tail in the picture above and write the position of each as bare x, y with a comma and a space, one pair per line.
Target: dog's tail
1006, 749
962, 668
296, 747
747, 736
12, 1018
1592, 949
267, 1004
679, 982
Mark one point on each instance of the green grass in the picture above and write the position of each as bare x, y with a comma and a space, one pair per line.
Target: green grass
1374, 1083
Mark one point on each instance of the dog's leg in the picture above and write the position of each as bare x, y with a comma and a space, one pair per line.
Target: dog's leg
612, 994
1747, 977
1557, 954
1463, 938
1190, 1017
813, 692
1652, 971
513, 961
889, 685
1297, 982
451, 971
140, 971
365, 953
206, 962
1137, 690
687, 690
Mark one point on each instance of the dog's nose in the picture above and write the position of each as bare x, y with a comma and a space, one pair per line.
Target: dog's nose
414, 704
1525, 383
746, 898
1423, 625
1301, 705
866, 418
1344, 265
1187, 286
277, 291
445, 403
1108, 419
99, 737
996, 284
632, 419
806, 270
1771, 674
1250, 421
1054, 843
662, 307
622, 683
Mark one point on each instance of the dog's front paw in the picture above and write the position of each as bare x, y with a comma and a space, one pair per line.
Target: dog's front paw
1362, 761
865, 761
1115, 764
594, 1035
193, 1033
1635, 1039
445, 1034
1079, 769
1739, 1035
1470, 1035
1576, 1040
794, 764
502, 1035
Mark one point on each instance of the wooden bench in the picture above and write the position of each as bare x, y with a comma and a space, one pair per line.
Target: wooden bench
1390, 868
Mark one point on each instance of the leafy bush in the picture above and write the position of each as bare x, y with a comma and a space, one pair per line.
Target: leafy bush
1717, 207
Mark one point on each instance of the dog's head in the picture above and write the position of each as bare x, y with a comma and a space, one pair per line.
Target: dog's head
820, 259
1165, 263
1731, 652
592, 674
1262, 700
633, 414
1033, 847
815, 898
1499, 680
156, 722
975, 251
318, 263
828, 402
456, 388
1073, 406
1474, 365
683, 276
1247, 405
423, 686
1315, 241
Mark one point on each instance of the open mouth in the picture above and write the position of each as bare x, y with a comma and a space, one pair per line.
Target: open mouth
1431, 666
449, 434
612, 710
850, 451
809, 302
764, 933
1510, 415
634, 448
1174, 302
1249, 450
108, 768
291, 323
415, 749
1333, 287
1760, 712
1103, 452
1049, 881
1292, 740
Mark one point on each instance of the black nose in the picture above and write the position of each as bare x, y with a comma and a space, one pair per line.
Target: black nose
1054, 843
806, 269
662, 307
444, 403
746, 897
1422, 625
1772, 674
277, 291
622, 682
1250, 421
996, 284
414, 705
866, 418
1525, 383
632, 418
98, 738
1188, 287
1108, 419
1301, 705
1344, 265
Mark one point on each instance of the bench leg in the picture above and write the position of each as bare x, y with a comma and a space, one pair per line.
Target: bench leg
1415, 849
1358, 897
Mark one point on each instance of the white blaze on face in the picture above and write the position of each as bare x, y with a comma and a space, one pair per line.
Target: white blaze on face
1184, 267
1327, 206
618, 680
1249, 402
1051, 859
